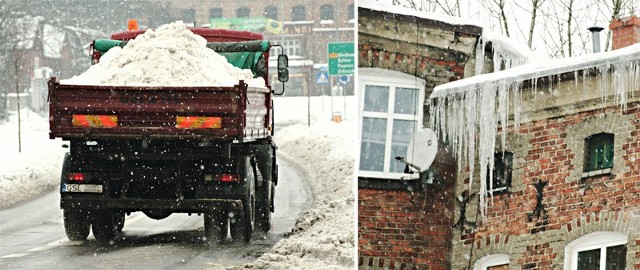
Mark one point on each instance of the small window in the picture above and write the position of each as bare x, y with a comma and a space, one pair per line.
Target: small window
215, 13
502, 169
298, 13
351, 13
598, 154
188, 15
271, 12
493, 262
326, 12
243, 12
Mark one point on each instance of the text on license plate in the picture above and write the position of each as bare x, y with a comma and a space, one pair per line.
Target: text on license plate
81, 188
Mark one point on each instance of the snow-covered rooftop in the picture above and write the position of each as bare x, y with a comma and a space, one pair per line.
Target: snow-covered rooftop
506, 50
540, 69
397, 9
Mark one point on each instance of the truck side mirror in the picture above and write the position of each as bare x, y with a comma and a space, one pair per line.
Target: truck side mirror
283, 68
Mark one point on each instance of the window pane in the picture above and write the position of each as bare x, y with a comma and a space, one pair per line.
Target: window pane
374, 135
406, 100
499, 267
502, 170
326, 12
376, 98
271, 12
616, 257
215, 13
402, 130
298, 13
589, 260
243, 12
350, 10
599, 152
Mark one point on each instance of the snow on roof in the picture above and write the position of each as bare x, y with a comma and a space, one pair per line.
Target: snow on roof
505, 49
466, 113
540, 69
396, 9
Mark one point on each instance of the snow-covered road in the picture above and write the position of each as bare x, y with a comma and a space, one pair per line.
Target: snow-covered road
32, 236
323, 237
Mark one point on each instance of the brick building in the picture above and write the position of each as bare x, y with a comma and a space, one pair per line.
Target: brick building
562, 191
402, 221
560, 165
304, 30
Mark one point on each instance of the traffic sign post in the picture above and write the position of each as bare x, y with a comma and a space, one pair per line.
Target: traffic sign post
341, 58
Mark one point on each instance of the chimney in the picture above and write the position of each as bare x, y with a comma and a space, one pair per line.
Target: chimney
626, 32
595, 37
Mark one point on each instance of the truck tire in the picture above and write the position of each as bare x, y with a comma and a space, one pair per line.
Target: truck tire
242, 224
76, 224
215, 228
119, 219
263, 207
104, 225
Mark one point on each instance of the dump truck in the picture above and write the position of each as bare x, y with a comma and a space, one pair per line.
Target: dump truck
205, 150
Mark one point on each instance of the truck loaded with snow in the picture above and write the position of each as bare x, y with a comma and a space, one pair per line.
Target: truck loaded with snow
172, 120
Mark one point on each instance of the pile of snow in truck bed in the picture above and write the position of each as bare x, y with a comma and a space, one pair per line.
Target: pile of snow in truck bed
169, 56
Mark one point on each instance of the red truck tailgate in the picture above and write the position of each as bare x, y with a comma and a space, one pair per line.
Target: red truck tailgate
238, 113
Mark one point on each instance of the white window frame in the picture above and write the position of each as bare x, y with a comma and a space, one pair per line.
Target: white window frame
391, 79
596, 240
491, 260
290, 47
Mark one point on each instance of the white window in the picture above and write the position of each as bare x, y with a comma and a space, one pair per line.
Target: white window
391, 105
597, 251
493, 262
291, 47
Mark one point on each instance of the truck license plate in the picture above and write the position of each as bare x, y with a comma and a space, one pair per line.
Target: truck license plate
81, 188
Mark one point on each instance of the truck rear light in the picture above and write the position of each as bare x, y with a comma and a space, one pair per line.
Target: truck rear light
198, 122
226, 178
83, 120
77, 177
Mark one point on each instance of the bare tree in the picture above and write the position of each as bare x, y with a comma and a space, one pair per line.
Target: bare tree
497, 9
535, 6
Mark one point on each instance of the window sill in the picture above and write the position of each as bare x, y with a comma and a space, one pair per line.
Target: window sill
498, 191
589, 174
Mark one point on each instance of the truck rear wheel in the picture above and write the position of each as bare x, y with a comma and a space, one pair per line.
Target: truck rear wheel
215, 227
76, 224
119, 219
242, 224
104, 225
263, 214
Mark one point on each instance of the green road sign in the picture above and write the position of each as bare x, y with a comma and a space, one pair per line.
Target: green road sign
341, 58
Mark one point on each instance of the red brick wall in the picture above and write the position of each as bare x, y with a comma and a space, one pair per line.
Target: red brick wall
626, 32
408, 229
572, 203
404, 227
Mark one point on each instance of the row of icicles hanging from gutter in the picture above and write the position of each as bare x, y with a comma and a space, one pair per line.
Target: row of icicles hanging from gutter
467, 121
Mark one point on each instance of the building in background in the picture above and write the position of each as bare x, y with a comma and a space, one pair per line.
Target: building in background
304, 29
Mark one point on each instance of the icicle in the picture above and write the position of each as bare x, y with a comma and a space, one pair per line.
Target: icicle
575, 79
503, 110
480, 56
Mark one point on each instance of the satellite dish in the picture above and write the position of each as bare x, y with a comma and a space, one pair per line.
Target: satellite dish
422, 149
